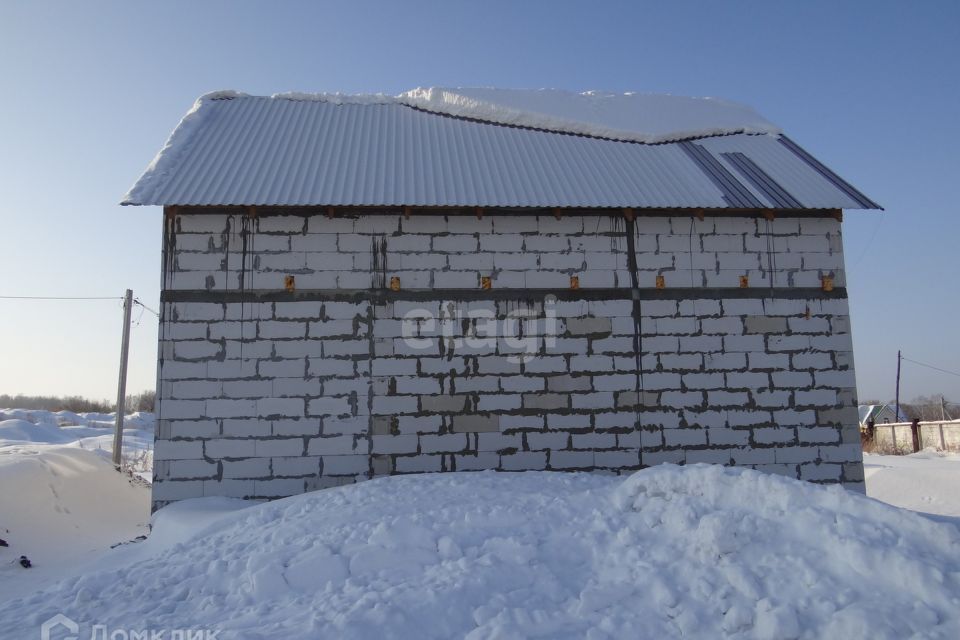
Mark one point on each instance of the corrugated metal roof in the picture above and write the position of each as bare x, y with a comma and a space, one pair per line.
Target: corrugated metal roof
278, 151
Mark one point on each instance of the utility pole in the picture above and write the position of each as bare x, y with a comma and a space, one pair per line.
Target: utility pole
943, 408
897, 401
122, 383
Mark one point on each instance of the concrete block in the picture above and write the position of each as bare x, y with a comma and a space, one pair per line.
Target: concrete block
476, 423
455, 243
498, 442
685, 437
734, 344
296, 467
571, 459
588, 326
788, 343
456, 279
499, 402
724, 361
629, 459
280, 407
196, 349
762, 360
833, 378
742, 307
793, 417
522, 383
764, 324
567, 383
594, 440
616, 382
229, 448
178, 450
274, 447
296, 427
708, 456
596, 400
334, 465
230, 408
545, 401
622, 344
246, 468
791, 379
391, 405
477, 462
469, 224
822, 472
335, 445
524, 461
419, 464
547, 440
682, 326
325, 367
394, 444
748, 417
330, 406
394, 366
278, 487
723, 437
775, 435
446, 443
177, 490
424, 224
815, 398
701, 344
442, 403
660, 381
842, 416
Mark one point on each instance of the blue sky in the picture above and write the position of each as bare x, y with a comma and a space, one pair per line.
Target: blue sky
92, 89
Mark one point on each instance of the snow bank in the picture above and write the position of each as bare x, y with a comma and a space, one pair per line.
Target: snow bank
18, 430
697, 552
58, 504
91, 431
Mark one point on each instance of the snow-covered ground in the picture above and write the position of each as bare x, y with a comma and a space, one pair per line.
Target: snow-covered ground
62, 504
699, 551
928, 482
90, 431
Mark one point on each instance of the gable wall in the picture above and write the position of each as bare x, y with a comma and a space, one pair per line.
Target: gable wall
338, 382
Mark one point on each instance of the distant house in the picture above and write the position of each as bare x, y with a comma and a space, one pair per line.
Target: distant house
455, 280
881, 414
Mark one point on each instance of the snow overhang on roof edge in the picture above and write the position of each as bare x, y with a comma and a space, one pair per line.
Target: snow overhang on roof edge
679, 119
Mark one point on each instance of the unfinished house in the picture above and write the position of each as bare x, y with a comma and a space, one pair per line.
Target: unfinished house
460, 280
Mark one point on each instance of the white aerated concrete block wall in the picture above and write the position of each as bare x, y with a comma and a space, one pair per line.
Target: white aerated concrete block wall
266, 393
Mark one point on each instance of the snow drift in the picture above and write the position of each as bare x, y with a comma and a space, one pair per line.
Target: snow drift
59, 504
697, 552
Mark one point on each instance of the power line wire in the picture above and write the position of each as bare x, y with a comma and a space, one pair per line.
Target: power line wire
61, 297
137, 301
930, 366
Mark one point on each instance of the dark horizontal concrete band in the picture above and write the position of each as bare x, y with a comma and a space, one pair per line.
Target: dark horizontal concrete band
352, 211
386, 295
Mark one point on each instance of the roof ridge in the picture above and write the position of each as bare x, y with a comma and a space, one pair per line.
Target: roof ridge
371, 99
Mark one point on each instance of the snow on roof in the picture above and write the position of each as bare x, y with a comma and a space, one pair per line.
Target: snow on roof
636, 117
498, 147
